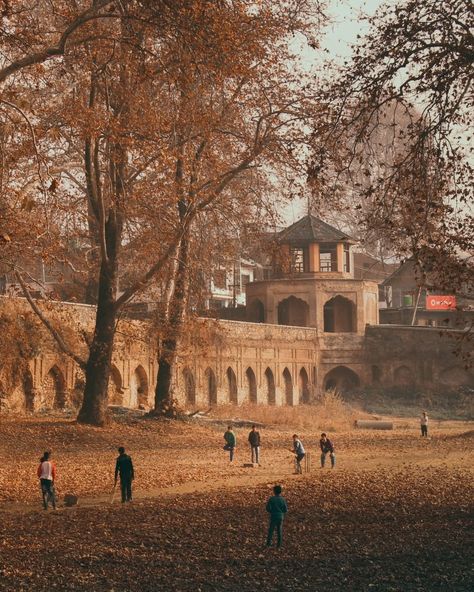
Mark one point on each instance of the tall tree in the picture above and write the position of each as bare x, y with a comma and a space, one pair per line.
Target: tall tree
239, 118
416, 63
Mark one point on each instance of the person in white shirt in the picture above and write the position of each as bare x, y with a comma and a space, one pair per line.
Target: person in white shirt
47, 474
424, 424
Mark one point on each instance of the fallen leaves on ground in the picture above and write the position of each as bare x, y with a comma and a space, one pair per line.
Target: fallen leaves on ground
368, 525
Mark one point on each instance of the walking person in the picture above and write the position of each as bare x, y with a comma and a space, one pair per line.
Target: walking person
254, 441
230, 442
298, 451
47, 474
424, 424
327, 447
277, 508
124, 468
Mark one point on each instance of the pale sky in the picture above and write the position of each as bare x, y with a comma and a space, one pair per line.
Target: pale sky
346, 23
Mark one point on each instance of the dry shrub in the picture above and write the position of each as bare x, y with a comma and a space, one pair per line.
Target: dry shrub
328, 412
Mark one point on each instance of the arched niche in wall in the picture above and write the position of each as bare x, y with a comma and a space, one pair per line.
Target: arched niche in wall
293, 311
139, 388
270, 387
340, 315
251, 385
28, 391
189, 386
256, 311
211, 385
115, 388
288, 382
341, 379
304, 386
232, 385
54, 389
376, 374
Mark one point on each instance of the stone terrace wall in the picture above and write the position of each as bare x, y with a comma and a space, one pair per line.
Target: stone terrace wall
53, 380
238, 362
422, 357
234, 362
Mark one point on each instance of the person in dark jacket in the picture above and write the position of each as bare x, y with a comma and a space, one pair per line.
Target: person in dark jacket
254, 441
124, 468
327, 447
230, 442
299, 452
277, 508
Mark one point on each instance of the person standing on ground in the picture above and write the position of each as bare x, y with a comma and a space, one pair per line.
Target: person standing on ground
230, 442
277, 508
327, 447
254, 441
47, 475
124, 468
424, 424
298, 451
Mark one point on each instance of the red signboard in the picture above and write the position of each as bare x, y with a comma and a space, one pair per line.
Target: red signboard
441, 302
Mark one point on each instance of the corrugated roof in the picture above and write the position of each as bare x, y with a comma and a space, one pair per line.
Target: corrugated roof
312, 229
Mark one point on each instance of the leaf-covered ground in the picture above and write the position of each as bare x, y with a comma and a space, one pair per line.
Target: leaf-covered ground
396, 514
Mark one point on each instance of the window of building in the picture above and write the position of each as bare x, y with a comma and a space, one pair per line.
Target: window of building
327, 257
220, 279
347, 259
299, 259
245, 279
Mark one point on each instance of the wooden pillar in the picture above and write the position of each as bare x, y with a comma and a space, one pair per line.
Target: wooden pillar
340, 257
313, 249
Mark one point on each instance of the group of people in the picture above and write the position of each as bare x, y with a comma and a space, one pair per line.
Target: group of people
327, 447
276, 506
47, 474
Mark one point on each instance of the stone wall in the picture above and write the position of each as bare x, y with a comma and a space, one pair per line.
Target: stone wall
235, 362
420, 357
52, 380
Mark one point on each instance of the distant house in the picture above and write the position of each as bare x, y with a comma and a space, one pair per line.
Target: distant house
228, 281
402, 295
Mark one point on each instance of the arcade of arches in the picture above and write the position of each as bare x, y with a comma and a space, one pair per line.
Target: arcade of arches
256, 363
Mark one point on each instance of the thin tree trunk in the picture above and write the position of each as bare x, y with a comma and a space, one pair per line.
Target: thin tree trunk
169, 346
413, 319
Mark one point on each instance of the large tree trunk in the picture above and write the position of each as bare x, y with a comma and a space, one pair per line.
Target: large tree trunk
169, 345
94, 405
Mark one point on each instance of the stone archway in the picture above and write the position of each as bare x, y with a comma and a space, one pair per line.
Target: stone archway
115, 388
340, 315
189, 386
304, 387
211, 384
256, 311
139, 388
341, 379
293, 311
270, 384
232, 383
54, 389
288, 382
252, 385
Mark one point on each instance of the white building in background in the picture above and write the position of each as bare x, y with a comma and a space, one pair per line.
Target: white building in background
228, 282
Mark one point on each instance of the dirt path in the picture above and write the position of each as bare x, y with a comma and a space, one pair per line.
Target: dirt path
273, 472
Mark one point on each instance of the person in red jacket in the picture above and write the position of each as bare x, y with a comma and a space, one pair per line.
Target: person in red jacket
47, 475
